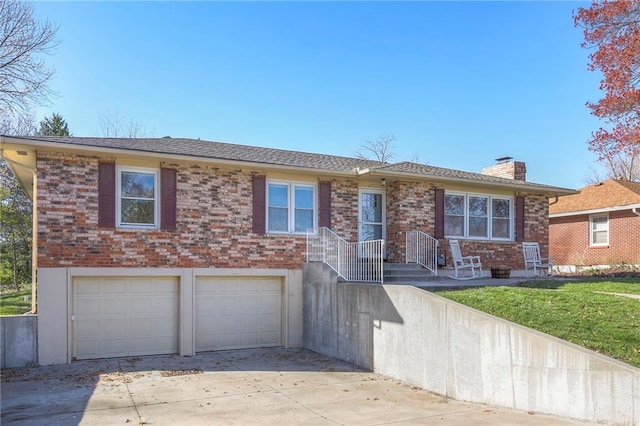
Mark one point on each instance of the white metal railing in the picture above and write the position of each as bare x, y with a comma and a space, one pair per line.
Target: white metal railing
423, 250
362, 261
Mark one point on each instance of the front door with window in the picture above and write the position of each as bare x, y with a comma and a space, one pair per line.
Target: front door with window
371, 215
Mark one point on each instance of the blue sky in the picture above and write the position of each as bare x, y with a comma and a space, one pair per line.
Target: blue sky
458, 84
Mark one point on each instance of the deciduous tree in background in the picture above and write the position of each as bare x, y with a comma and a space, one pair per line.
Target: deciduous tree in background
612, 28
15, 213
54, 126
381, 149
24, 78
15, 237
114, 125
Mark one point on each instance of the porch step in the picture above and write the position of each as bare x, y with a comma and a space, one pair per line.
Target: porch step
407, 272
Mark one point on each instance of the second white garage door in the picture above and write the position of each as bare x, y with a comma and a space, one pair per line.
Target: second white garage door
238, 312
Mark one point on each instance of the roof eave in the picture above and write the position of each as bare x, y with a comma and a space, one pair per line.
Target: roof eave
523, 187
596, 211
62, 146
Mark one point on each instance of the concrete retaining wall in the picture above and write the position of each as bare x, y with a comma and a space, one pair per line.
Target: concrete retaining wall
442, 346
19, 340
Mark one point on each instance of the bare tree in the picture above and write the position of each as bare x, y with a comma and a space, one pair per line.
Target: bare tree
17, 124
380, 149
24, 78
114, 125
624, 165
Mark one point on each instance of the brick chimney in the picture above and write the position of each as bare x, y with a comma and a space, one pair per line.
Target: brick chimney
507, 168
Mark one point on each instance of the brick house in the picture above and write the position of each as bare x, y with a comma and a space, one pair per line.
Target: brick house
152, 246
600, 225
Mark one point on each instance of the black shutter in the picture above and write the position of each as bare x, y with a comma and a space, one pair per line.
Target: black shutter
439, 216
168, 200
519, 218
259, 204
107, 195
324, 210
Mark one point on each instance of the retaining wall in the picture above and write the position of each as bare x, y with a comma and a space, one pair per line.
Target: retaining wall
445, 347
19, 340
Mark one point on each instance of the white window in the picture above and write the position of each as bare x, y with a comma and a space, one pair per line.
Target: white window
599, 230
137, 197
291, 207
476, 216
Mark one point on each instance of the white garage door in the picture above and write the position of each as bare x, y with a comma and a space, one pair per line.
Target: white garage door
124, 316
238, 312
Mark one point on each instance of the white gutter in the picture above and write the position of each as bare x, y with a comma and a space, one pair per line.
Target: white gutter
633, 207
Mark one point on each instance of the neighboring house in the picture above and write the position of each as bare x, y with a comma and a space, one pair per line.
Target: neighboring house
598, 226
152, 246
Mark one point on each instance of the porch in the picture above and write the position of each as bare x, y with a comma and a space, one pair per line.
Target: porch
365, 261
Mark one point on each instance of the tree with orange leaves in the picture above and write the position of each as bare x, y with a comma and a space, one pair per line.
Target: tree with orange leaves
612, 28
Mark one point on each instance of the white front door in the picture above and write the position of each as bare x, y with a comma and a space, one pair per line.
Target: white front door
371, 215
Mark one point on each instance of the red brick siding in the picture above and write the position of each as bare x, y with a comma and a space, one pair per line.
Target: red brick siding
344, 208
214, 221
411, 206
569, 240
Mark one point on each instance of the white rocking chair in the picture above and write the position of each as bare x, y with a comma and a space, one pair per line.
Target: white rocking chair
533, 261
461, 263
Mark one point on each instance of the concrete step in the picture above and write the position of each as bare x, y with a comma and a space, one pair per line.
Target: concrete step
402, 267
407, 272
411, 278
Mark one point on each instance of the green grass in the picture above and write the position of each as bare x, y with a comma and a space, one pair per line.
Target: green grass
12, 302
577, 311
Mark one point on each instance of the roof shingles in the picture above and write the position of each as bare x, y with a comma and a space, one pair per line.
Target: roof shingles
279, 157
607, 194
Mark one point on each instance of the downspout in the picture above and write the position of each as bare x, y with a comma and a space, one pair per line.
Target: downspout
635, 211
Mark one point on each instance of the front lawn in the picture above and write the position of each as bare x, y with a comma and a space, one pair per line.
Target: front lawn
13, 302
580, 311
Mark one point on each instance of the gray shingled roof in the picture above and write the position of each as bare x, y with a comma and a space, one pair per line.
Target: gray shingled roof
218, 150
426, 170
279, 157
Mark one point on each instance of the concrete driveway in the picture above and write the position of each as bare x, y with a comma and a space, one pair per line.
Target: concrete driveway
252, 387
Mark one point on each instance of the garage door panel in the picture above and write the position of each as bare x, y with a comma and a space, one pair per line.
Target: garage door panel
123, 316
238, 312
89, 287
110, 307
164, 304
87, 306
139, 305
113, 327
115, 287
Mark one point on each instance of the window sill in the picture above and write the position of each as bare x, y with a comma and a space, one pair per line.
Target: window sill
136, 228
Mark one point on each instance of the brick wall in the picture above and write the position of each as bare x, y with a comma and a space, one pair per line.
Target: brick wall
569, 240
410, 206
214, 221
509, 170
509, 253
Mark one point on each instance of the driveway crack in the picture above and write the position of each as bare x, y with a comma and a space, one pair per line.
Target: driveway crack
130, 394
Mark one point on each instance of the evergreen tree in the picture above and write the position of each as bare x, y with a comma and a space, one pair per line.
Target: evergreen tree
54, 126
